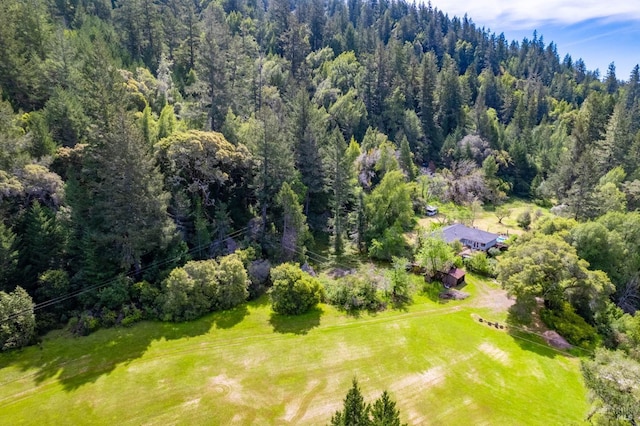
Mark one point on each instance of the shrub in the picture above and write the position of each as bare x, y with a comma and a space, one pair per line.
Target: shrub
294, 291
232, 283
131, 315
524, 219
357, 292
570, 325
481, 264
202, 286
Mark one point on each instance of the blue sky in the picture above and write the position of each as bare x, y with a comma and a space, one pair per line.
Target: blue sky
599, 32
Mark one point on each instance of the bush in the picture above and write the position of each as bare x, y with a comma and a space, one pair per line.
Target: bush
354, 292
131, 315
524, 219
202, 286
571, 326
481, 264
294, 291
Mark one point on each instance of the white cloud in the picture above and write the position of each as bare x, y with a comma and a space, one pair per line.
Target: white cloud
523, 14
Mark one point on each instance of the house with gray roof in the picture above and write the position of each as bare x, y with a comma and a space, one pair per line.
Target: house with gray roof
470, 237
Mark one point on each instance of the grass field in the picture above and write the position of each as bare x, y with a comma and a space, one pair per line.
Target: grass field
488, 221
249, 366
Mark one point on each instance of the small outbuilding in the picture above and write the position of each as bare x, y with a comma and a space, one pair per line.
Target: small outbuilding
453, 278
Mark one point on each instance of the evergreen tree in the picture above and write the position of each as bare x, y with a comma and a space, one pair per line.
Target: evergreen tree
124, 210
355, 411
8, 256
339, 174
294, 223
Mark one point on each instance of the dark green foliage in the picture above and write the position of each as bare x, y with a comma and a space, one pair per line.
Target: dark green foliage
88, 87
294, 292
570, 325
356, 412
42, 244
8, 255
384, 411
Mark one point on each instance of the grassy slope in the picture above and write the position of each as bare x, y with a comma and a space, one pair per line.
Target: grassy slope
250, 367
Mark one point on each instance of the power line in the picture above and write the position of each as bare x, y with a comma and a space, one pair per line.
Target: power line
93, 287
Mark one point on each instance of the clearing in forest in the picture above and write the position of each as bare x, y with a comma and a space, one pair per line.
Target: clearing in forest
249, 366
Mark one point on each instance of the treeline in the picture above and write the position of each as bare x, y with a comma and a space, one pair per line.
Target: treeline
137, 135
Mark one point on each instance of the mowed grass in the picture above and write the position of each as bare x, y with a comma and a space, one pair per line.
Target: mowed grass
248, 366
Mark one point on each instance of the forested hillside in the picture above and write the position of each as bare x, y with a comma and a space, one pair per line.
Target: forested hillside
137, 135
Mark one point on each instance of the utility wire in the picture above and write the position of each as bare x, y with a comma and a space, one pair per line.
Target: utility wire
93, 287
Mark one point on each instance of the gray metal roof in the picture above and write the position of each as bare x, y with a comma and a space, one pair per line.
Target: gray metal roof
458, 232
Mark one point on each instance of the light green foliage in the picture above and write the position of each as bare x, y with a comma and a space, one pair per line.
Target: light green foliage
183, 298
481, 264
399, 280
294, 292
389, 205
349, 112
202, 286
524, 219
435, 255
355, 292
17, 321
502, 212
550, 225
614, 382
203, 164
166, 123
391, 243
603, 249
233, 282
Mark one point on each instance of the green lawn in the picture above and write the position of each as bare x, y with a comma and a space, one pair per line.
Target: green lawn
248, 366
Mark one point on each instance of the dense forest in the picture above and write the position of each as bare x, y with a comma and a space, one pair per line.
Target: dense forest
142, 139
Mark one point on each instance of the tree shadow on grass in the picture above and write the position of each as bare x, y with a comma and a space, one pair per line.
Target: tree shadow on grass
296, 324
76, 361
527, 338
433, 290
230, 317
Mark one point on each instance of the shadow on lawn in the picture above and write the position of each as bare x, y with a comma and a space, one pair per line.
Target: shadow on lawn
75, 361
528, 339
296, 324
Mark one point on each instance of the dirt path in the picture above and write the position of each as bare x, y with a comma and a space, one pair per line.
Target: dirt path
491, 296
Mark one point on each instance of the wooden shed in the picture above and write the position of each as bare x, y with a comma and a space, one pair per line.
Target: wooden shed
453, 278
